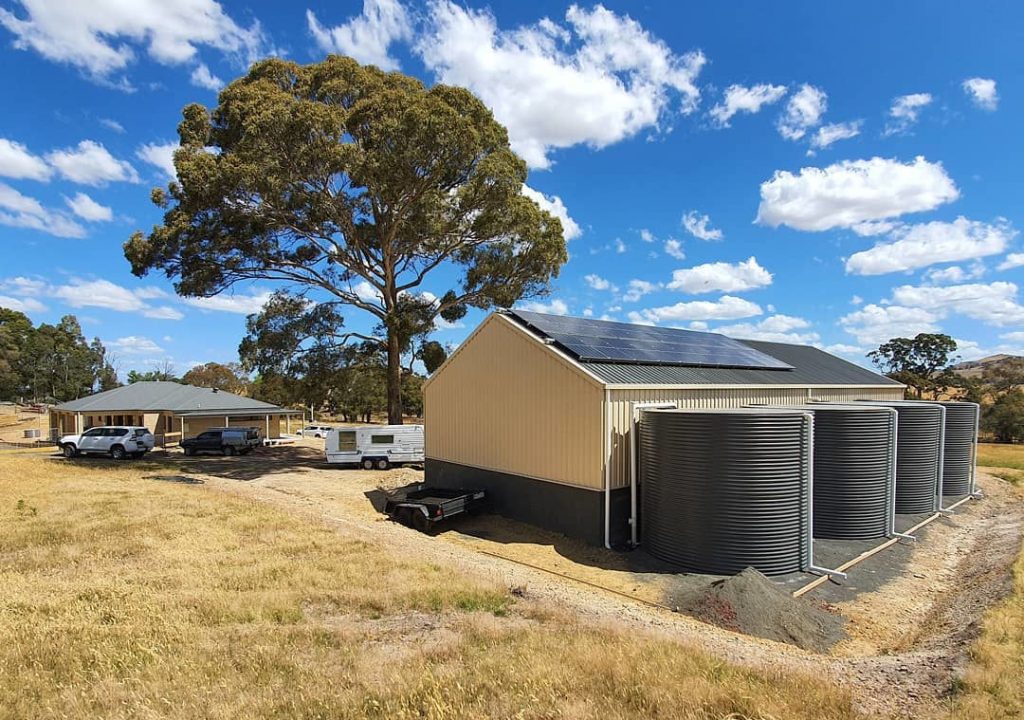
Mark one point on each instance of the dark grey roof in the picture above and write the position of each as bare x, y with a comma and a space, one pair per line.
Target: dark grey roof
811, 366
168, 396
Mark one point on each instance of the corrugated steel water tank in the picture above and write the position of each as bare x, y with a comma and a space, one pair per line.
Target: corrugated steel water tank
723, 490
918, 454
853, 470
960, 446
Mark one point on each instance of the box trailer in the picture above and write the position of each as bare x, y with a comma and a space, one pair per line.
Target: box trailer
375, 447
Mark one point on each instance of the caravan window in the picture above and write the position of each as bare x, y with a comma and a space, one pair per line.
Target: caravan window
382, 439
347, 440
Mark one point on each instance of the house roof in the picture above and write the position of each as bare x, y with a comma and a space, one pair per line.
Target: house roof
809, 366
167, 396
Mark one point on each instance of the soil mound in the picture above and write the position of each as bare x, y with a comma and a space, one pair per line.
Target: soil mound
752, 604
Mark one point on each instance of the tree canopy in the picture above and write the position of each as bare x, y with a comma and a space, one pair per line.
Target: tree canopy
229, 378
350, 187
50, 361
922, 362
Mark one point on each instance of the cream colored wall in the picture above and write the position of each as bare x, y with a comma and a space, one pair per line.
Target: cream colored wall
196, 425
697, 398
504, 401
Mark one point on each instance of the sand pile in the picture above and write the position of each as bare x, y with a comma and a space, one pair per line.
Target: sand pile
752, 604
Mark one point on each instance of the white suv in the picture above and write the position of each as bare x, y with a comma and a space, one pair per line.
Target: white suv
118, 442
316, 431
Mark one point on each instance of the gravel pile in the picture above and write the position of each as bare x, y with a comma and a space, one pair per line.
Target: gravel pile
752, 604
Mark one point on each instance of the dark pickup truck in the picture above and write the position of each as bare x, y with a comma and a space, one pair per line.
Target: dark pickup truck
424, 507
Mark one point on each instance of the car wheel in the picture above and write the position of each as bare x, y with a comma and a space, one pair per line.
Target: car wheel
188, 451
117, 452
229, 450
69, 450
367, 464
383, 464
421, 522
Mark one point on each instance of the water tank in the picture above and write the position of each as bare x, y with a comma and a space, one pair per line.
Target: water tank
853, 470
961, 430
722, 490
918, 454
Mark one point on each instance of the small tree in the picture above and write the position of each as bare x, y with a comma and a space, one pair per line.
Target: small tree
1004, 418
1005, 374
351, 187
917, 362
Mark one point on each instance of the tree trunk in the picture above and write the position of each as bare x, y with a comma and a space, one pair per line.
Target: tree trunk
394, 379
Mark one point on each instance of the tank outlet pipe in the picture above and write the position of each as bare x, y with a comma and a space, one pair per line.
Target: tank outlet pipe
975, 492
892, 480
942, 461
809, 459
634, 458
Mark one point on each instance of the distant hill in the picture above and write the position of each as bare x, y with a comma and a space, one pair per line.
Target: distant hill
975, 368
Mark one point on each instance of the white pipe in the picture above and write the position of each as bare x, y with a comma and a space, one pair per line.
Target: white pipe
634, 451
607, 469
811, 567
975, 492
895, 451
942, 462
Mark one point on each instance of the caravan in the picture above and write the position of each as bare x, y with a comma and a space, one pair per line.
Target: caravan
378, 446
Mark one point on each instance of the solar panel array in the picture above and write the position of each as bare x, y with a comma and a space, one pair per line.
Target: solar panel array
602, 341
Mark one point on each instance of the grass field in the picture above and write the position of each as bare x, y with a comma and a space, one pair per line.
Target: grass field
1005, 461
128, 593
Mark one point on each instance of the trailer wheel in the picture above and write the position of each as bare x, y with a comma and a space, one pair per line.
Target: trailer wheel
407, 516
383, 464
421, 522
367, 464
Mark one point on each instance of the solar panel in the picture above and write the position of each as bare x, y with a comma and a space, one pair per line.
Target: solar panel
603, 341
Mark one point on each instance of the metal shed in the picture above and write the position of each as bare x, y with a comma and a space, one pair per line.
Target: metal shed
535, 416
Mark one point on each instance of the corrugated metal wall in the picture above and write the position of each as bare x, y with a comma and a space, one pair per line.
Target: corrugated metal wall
507, 403
621, 420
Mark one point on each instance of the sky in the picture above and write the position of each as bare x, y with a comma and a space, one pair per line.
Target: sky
817, 173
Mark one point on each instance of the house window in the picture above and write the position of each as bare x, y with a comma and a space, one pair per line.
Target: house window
119, 420
382, 439
347, 441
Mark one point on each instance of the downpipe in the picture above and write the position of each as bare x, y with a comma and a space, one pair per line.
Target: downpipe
809, 454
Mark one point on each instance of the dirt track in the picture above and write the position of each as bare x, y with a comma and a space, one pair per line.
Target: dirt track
959, 568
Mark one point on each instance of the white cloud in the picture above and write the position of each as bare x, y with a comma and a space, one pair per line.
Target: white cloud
105, 294
953, 274
826, 135
98, 37
555, 307
112, 125
89, 163
675, 248
88, 209
917, 246
994, 304
17, 162
1013, 260
738, 98
639, 288
599, 283
721, 277
697, 225
856, 300
23, 286
871, 229
202, 77
647, 236
596, 80
22, 211
803, 111
24, 305
133, 345
242, 304
851, 192
554, 205
905, 111
1016, 336
160, 155
873, 324
368, 36
982, 92
620, 247
726, 307
775, 328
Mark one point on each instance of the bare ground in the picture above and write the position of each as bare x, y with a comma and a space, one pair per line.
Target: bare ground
908, 638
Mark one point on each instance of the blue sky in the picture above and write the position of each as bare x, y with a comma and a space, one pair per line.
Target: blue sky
804, 172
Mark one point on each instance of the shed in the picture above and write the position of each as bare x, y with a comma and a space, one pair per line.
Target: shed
539, 409
170, 410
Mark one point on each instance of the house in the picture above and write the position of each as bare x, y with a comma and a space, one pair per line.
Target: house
539, 410
170, 410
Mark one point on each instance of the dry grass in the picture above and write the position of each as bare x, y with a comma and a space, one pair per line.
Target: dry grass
1003, 460
125, 596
